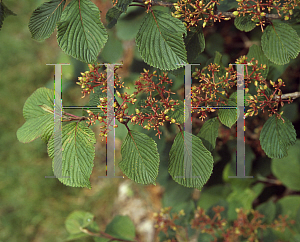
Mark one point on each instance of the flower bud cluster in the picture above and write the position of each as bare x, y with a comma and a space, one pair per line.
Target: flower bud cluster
241, 228
194, 11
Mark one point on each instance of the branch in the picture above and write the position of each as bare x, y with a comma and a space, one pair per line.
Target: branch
225, 14
292, 95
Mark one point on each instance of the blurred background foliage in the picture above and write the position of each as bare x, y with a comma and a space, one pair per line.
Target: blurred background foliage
33, 208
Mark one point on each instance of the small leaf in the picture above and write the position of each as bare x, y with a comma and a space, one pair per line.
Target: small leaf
114, 13
121, 227
38, 121
276, 137
199, 161
209, 133
256, 52
4, 12
140, 158
287, 169
80, 32
229, 116
244, 23
280, 43
78, 153
77, 220
195, 43
178, 113
160, 41
43, 20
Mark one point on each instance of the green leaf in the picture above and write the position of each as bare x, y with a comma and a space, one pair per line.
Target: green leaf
80, 32
140, 158
121, 227
95, 100
77, 220
78, 153
178, 113
228, 116
43, 20
280, 43
209, 133
201, 162
287, 169
4, 12
256, 52
160, 41
114, 13
38, 121
268, 209
244, 23
276, 137
195, 43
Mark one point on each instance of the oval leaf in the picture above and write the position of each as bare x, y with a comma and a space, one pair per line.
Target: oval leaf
280, 43
78, 152
77, 220
121, 227
160, 41
244, 23
199, 161
80, 32
38, 121
43, 20
209, 133
276, 137
287, 169
140, 158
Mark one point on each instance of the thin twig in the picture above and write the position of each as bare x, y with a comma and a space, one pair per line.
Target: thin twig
292, 95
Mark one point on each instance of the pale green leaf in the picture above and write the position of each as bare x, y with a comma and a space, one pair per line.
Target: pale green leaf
198, 160
140, 158
287, 169
43, 20
228, 116
276, 136
80, 32
78, 153
280, 43
160, 41
121, 227
38, 121
244, 23
209, 133
77, 220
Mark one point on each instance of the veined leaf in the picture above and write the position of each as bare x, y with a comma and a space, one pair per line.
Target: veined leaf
276, 137
228, 116
4, 12
199, 161
160, 41
257, 53
209, 133
178, 113
280, 43
287, 169
140, 158
78, 152
195, 43
38, 121
114, 13
80, 32
43, 20
244, 23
